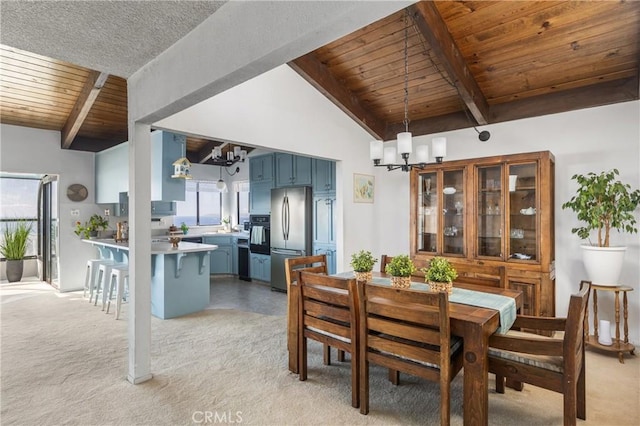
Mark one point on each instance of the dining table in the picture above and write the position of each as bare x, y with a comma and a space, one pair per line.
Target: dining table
474, 324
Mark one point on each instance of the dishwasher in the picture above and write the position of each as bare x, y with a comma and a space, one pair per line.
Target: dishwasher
243, 259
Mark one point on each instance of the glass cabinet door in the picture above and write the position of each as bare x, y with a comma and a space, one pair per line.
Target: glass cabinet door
453, 224
428, 209
523, 222
490, 217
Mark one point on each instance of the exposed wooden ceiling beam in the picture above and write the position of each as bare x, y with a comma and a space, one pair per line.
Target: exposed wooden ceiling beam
434, 30
88, 95
316, 73
93, 144
606, 93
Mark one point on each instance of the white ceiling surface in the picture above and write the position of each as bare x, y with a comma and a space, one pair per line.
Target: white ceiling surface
117, 37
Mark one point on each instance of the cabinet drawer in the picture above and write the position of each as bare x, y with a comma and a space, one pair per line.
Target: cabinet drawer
223, 240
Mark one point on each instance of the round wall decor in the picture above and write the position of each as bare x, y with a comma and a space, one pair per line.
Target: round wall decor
77, 192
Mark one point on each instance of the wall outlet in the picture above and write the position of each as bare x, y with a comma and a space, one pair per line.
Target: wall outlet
75, 212
107, 212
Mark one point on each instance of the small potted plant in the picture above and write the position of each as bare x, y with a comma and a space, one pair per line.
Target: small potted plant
92, 226
14, 247
362, 264
440, 275
400, 268
184, 228
226, 221
602, 202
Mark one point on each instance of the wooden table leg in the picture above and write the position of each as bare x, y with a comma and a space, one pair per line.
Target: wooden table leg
476, 372
292, 327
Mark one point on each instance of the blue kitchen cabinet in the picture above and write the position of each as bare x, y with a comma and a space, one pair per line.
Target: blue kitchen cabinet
158, 208
260, 197
166, 149
163, 208
330, 251
260, 267
292, 170
221, 259
324, 176
324, 218
112, 170
261, 168
111, 173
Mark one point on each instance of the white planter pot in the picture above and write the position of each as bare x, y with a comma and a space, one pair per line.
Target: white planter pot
603, 264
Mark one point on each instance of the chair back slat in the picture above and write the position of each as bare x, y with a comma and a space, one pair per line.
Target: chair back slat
323, 326
430, 336
319, 309
403, 349
384, 261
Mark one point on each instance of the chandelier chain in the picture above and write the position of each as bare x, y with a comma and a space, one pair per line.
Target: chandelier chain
406, 72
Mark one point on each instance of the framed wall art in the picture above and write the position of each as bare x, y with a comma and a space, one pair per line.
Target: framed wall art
363, 188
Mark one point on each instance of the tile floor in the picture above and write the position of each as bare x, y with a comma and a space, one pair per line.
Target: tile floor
228, 292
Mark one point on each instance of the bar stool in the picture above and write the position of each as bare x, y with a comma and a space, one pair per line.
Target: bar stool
118, 276
104, 276
91, 276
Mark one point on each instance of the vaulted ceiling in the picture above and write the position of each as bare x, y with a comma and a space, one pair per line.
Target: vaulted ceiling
469, 64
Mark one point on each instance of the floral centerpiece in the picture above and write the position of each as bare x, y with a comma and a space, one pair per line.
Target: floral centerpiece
92, 226
400, 268
362, 263
440, 274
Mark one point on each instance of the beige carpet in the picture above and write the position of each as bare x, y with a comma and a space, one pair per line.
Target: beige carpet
64, 362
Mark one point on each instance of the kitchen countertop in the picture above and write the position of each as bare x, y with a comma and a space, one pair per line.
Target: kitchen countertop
158, 248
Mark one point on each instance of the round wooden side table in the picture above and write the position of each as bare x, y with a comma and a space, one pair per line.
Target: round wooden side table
617, 345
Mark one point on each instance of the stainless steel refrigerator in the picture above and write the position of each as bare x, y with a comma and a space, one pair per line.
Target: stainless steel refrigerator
291, 227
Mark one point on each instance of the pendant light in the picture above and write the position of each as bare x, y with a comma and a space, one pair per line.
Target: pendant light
404, 139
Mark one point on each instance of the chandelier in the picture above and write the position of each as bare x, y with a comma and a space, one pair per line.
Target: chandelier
404, 142
229, 158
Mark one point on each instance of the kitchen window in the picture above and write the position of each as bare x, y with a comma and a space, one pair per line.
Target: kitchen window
241, 189
202, 205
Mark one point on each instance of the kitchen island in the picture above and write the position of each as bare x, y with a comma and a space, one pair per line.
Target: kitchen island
179, 275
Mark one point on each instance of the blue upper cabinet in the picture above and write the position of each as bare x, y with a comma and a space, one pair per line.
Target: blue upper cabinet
292, 170
261, 168
166, 148
112, 173
324, 176
260, 197
112, 169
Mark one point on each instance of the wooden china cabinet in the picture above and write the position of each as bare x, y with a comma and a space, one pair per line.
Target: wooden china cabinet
493, 219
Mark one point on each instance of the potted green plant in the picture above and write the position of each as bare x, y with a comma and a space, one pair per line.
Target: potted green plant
14, 247
603, 203
362, 263
184, 228
440, 274
400, 268
92, 226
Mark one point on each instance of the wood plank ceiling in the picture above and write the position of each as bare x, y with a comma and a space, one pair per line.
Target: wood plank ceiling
470, 63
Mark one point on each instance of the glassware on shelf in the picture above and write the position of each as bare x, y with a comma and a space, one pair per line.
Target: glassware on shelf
458, 206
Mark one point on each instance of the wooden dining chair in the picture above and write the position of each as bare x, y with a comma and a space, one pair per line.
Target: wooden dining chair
292, 266
551, 363
327, 313
408, 331
384, 262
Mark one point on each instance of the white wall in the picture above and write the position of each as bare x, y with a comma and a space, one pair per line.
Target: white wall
27, 150
279, 111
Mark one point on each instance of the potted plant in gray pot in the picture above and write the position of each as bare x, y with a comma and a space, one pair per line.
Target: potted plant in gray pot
602, 202
14, 247
362, 264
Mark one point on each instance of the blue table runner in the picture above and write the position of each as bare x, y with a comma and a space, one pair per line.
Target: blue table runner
505, 305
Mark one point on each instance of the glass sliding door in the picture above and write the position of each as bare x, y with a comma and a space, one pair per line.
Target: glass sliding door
49, 229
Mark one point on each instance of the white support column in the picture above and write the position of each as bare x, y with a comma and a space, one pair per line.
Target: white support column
139, 321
